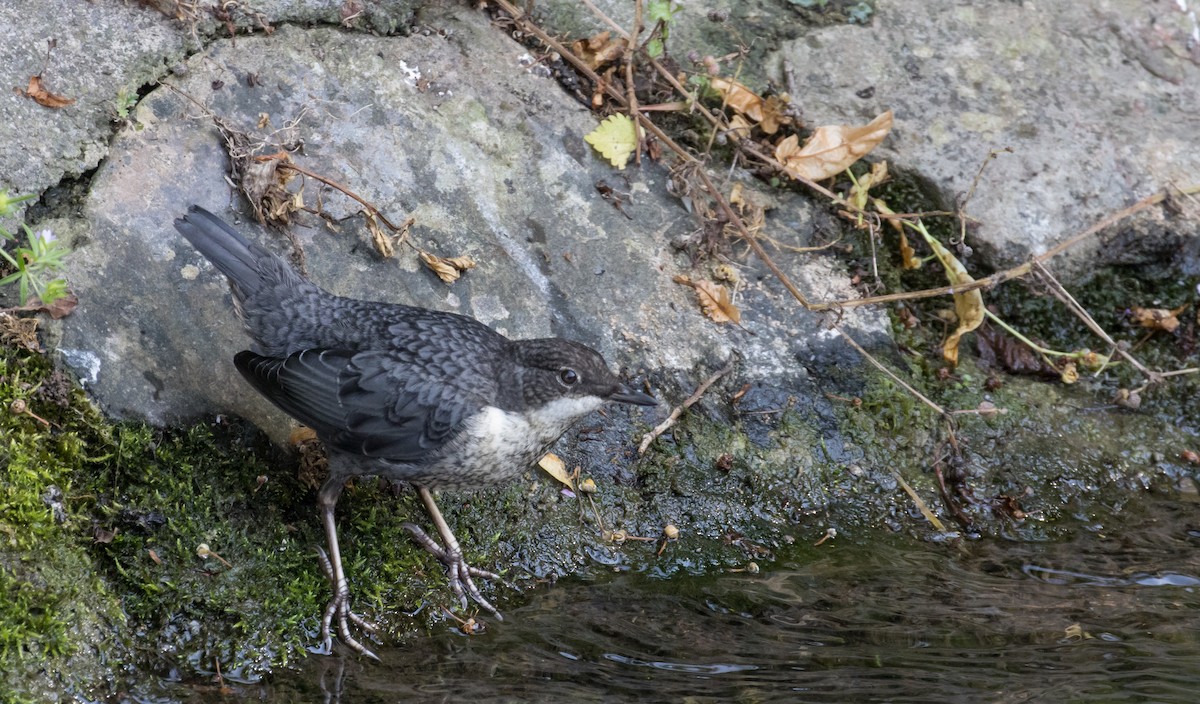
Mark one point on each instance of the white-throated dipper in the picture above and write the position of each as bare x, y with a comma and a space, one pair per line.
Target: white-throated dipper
436, 399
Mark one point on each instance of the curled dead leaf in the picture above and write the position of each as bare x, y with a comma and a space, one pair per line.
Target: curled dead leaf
61, 307
739, 127
831, 149
37, 91
383, 243
908, 257
997, 349
1070, 374
448, 269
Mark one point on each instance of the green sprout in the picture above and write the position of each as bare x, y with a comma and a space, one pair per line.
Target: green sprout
124, 104
662, 13
34, 263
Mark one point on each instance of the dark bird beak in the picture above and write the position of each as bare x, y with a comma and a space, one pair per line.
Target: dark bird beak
624, 394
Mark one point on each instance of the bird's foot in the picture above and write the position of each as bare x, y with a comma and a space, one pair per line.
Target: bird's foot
458, 572
339, 610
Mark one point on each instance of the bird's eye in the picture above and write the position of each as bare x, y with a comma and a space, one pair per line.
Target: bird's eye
568, 376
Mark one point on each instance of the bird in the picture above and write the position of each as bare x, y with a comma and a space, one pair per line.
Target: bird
432, 398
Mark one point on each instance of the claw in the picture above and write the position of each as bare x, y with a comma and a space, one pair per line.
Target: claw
339, 608
458, 572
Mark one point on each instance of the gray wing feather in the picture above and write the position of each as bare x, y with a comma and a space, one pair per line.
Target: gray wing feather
385, 404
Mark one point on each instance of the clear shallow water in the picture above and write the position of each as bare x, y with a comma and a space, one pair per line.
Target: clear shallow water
1100, 617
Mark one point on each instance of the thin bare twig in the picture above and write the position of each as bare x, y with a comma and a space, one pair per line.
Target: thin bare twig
962, 220
595, 11
630, 47
678, 410
880, 366
1014, 273
1069, 301
334, 184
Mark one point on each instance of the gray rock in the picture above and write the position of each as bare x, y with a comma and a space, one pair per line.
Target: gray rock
1100, 102
454, 126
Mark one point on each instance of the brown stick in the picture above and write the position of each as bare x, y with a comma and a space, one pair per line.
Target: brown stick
678, 410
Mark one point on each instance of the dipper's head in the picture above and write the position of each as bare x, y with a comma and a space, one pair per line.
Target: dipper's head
568, 380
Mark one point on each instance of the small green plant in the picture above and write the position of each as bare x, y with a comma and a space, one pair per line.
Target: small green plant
34, 263
860, 12
662, 13
123, 104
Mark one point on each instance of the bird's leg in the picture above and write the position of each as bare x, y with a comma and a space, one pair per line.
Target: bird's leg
339, 606
458, 572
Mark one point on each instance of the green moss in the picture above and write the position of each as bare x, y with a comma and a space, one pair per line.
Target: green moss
51, 601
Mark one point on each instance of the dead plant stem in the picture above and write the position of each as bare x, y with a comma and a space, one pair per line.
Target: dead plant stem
678, 410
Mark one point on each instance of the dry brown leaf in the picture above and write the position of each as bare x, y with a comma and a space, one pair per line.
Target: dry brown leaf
462, 263
1070, 374
1155, 318
860, 191
735, 195
714, 300
997, 349
968, 305
740, 127
774, 115
600, 49
60, 308
908, 257
37, 91
739, 97
553, 465
383, 243
831, 149
448, 269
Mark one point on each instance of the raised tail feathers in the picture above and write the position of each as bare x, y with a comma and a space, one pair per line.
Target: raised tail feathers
236, 258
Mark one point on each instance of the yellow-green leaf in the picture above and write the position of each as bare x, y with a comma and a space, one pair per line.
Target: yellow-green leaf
615, 138
967, 304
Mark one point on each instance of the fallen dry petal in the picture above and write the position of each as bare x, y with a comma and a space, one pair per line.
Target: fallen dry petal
600, 49
447, 269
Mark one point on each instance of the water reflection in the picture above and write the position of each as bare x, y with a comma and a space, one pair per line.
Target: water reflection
1094, 618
